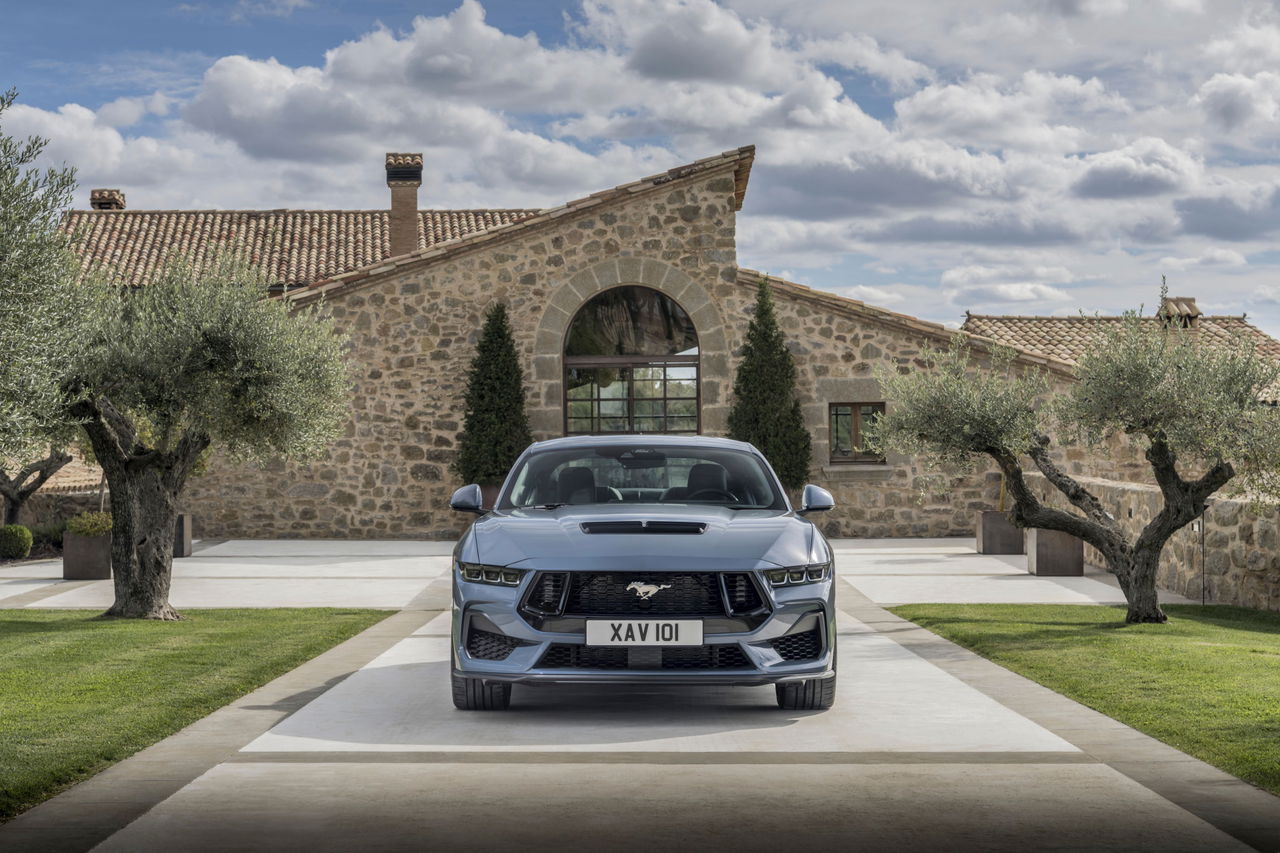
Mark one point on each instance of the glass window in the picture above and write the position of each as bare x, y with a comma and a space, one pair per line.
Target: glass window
847, 421
631, 365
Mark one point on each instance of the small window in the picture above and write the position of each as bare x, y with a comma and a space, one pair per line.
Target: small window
848, 420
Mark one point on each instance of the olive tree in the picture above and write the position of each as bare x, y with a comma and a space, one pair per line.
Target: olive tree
42, 312
1193, 408
197, 358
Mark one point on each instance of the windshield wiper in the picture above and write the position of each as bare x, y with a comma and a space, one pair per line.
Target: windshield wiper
549, 506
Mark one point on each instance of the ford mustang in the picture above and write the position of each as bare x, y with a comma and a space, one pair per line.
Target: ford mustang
641, 559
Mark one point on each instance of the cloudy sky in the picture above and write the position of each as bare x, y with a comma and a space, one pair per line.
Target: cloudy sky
1000, 156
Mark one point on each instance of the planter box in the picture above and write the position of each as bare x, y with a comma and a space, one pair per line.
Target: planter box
1051, 553
182, 537
86, 558
996, 534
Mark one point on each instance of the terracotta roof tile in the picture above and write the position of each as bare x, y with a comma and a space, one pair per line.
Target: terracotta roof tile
297, 247
1067, 338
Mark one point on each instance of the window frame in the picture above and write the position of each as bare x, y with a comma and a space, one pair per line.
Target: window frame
856, 457
630, 362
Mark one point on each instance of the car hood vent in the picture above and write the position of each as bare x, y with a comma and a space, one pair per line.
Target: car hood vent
643, 526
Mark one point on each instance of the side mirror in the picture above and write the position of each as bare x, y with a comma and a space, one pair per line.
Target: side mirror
468, 499
816, 499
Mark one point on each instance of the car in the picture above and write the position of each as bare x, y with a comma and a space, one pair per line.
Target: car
643, 559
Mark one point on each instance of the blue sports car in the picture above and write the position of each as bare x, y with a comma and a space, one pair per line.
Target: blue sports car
641, 559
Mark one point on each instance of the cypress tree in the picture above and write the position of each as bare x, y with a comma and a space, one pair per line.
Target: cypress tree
765, 409
495, 428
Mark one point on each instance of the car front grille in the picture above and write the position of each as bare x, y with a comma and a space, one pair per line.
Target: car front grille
806, 645
486, 645
743, 597
628, 594
566, 656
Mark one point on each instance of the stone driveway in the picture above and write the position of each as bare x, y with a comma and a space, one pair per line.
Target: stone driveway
928, 748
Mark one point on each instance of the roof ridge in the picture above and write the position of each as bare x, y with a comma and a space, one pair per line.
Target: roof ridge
1089, 317
742, 156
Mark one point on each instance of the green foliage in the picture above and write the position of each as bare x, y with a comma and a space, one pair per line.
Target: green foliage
89, 524
200, 352
766, 411
495, 428
958, 409
1202, 398
48, 534
15, 542
43, 306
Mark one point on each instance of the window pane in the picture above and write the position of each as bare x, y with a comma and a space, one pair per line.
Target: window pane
682, 424
614, 425
682, 372
617, 388
649, 424
580, 409
649, 408
617, 408
682, 388
649, 388
682, 408
580, 425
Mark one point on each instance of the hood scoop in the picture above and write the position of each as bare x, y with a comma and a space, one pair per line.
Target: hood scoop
643, 527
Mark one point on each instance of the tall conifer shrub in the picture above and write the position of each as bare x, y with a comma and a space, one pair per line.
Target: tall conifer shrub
765, 409
495, 428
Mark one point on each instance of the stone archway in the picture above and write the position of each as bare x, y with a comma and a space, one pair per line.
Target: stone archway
546, 408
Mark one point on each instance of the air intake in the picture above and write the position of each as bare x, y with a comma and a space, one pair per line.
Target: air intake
692, 527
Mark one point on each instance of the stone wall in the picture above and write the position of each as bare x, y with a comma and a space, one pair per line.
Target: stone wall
414, 331
48, 507
1238, 564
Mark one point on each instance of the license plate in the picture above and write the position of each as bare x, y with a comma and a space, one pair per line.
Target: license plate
644, 632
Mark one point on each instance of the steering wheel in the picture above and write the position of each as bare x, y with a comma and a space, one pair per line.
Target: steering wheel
728, 495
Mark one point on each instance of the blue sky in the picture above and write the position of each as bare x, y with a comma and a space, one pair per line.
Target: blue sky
999, 156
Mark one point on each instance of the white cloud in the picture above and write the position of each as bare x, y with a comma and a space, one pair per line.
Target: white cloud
1146, 166
873, 295
1211, 257
1013, 292
1235, 102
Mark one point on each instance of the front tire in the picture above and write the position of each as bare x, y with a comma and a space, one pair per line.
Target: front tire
812, 694
476, 694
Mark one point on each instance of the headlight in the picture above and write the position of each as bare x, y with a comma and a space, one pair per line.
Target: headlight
479, 573
798, 574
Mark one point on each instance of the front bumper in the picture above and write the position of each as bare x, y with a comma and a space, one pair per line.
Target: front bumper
752, 656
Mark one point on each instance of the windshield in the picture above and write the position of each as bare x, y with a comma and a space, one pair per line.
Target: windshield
640, 473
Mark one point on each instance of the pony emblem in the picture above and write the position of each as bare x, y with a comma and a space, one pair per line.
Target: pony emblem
646, 591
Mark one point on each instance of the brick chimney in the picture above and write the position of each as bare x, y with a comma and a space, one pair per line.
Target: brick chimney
404, 176
106, 199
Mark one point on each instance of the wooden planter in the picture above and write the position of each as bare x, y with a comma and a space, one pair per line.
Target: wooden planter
1051, 553
996, 534
86, 558
182, 536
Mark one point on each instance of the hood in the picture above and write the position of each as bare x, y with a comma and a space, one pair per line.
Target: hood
732, 539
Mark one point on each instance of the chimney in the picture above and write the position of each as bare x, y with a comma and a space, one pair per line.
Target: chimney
1180, 312
106, 199
404, 176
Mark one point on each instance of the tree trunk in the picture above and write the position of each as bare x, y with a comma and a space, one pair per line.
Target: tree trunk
11, 510
16, 490
143, 513
1137, 576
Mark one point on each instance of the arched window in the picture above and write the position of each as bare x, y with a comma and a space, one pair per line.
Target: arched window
631, 365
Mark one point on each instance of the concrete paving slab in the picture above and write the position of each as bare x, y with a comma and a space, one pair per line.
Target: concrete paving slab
33, 569
984, 589
329, 548
943, 545
13, 587
888, 700
903, 562
202, 566
565, 806
261, 592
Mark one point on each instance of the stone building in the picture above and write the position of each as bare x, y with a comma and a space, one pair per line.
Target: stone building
629, 310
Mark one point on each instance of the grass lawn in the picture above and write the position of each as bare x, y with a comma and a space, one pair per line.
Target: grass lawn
78, 693
1208, 682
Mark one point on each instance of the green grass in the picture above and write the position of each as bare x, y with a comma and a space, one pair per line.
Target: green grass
1207, 682
78, 692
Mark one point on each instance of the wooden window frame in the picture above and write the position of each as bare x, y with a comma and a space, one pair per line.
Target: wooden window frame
855, 434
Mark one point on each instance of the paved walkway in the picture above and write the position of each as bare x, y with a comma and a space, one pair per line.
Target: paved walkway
929, 747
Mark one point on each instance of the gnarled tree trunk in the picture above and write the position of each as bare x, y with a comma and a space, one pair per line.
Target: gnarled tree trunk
145, 485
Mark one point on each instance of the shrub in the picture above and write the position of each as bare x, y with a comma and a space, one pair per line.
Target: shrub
90, 524
15, 542
48, 534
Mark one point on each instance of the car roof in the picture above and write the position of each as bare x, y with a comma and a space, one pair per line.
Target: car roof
643, 438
